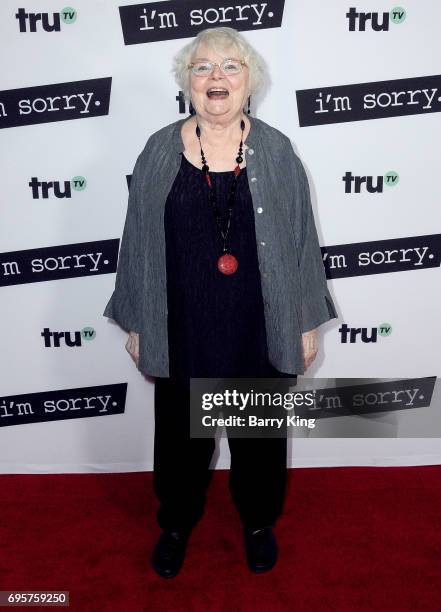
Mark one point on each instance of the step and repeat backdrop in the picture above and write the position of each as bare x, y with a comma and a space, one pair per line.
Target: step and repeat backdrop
356, 87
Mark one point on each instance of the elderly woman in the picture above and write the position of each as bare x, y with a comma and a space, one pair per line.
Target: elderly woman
219, 275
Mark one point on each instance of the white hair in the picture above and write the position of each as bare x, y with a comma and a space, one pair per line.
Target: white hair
219, 39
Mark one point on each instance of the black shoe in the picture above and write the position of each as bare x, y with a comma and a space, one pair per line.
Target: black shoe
261, 548
169, 553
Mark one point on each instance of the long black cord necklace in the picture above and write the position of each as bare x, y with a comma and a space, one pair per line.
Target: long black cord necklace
227, 263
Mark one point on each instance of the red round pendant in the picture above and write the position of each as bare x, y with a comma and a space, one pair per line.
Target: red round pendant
227, 264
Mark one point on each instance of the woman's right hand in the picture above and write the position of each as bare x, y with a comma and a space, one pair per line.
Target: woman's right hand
132, 346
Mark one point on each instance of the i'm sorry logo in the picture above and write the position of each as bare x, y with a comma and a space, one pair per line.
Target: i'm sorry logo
376, 100
58, 262
171, 19
63, 404
55, 102
380, 256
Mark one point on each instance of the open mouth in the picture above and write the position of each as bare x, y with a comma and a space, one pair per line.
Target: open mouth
217, 92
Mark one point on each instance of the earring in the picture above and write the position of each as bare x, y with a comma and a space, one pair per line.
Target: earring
249, 104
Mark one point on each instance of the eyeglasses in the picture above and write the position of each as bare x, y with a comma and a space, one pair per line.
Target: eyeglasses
227, 67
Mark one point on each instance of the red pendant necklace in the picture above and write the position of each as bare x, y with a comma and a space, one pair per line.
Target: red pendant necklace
227, 263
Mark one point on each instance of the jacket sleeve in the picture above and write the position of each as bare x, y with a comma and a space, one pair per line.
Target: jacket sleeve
317, 304
123, 306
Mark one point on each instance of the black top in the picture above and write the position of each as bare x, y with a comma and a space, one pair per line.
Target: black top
216, 323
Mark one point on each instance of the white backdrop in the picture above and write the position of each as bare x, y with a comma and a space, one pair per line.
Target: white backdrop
313, 48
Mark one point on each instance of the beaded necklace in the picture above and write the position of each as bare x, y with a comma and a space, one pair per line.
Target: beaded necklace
227, 263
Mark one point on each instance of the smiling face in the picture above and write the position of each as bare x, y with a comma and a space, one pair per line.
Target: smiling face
218, 97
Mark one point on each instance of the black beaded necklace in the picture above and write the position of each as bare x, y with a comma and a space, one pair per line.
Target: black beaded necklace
227, 263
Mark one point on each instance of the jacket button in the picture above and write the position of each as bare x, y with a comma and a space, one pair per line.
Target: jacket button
260, 210
262, 242
250, 151
253, 180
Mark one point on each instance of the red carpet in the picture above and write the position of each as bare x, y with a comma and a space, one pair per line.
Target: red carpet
351, 539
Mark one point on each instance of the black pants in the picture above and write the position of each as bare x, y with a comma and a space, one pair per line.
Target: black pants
257, 477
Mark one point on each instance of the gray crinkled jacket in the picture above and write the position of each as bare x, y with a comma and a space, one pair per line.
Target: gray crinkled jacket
294, 287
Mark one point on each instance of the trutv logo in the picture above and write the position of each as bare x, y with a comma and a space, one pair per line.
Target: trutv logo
359, 21
60, 189
37, 22
371, 184
55, 339
364, 334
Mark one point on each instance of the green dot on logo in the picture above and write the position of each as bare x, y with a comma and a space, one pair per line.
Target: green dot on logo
391, 178
79, 183
68, 15
88, 333
397, 14
385, 329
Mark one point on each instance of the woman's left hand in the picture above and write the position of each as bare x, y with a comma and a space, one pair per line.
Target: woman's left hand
310, 348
